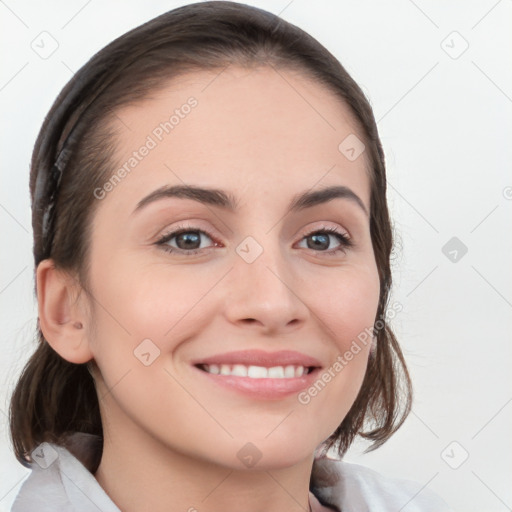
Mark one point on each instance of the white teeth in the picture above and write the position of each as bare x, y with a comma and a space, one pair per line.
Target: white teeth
214, 368
276, 372
239, 370
256, 372
289, 372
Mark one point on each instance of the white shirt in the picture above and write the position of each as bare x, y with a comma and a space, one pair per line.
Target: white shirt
59, 482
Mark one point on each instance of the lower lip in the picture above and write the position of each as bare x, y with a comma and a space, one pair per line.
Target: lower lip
263, 388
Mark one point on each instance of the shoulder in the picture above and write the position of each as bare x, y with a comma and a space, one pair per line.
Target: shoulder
58, 481
351, 486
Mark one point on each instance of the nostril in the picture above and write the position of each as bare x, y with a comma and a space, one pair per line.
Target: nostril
249, 320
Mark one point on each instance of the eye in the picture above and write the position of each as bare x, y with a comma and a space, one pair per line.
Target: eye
184, 240
321, 239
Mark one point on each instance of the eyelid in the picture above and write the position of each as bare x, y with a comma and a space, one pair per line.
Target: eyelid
313, 227
345, 239
175, 231
327, 227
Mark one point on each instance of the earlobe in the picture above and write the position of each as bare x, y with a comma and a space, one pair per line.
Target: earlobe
61, 318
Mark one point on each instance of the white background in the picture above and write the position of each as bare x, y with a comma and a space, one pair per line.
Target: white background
445, 124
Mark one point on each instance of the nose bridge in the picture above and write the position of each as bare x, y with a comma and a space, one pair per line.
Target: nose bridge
262, 287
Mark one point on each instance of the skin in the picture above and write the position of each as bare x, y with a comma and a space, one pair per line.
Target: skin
171, 438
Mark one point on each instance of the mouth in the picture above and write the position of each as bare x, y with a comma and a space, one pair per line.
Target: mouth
258, 374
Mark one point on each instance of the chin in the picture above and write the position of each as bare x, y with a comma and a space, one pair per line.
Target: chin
269, 454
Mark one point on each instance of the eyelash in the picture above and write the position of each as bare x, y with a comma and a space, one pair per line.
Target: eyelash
345, 241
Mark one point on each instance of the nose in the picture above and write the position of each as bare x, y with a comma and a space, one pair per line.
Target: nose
265, 295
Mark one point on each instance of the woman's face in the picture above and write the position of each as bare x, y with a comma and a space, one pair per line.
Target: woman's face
247, 286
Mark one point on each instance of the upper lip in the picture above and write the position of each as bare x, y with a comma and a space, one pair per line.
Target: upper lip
261, 358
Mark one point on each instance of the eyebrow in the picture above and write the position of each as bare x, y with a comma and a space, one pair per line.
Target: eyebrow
227, 201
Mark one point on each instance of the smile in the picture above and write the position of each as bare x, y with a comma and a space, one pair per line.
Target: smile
257, 372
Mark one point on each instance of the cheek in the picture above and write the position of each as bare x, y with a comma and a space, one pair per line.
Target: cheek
141, 301
346, 308
346, 304
146, 314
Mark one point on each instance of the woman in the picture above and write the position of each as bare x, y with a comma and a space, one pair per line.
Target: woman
212, 245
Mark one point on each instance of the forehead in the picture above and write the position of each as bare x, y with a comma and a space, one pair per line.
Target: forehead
259, 128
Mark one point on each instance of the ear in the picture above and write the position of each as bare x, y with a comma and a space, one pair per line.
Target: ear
61, 318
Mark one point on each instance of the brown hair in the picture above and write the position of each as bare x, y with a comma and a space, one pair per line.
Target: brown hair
53, 397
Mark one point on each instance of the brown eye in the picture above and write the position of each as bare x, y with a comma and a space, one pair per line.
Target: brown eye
321, 240
188, 240
184, 240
